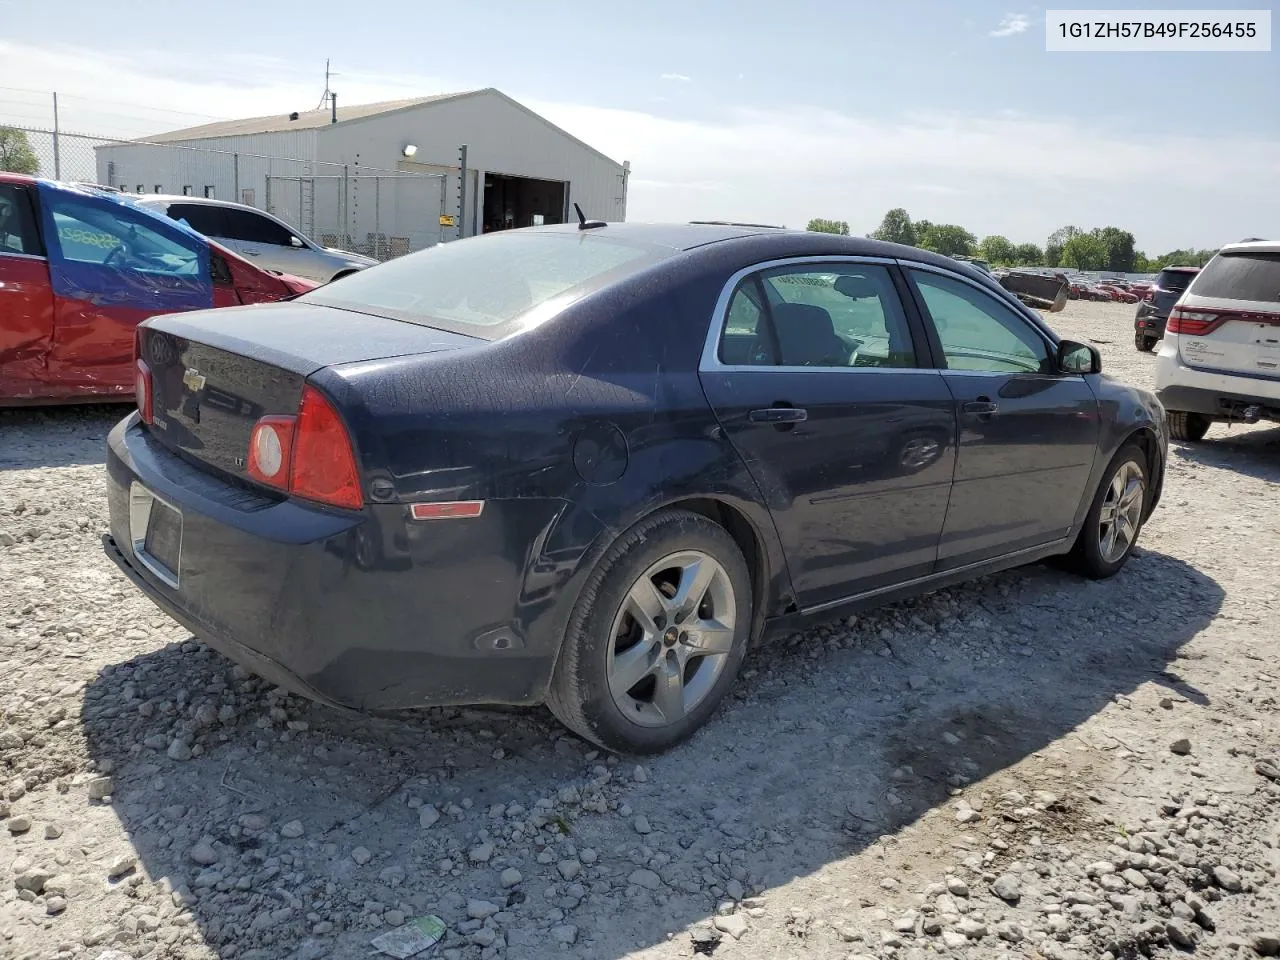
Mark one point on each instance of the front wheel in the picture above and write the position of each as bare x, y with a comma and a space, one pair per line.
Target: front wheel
1187, 427
1115, 518
656, 637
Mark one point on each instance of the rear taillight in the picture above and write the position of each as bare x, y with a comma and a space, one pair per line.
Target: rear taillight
270, 448
308, 456
1194, 322
142, 390
324, 466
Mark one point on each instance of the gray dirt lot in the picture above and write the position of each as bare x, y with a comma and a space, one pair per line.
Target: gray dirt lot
992, 770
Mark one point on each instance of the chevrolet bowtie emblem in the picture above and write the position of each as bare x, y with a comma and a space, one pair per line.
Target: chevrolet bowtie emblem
192, 380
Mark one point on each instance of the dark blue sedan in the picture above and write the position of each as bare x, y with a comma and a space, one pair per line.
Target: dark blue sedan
589, 466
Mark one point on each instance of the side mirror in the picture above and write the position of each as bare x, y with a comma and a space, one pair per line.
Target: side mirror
1078, 358
296, 243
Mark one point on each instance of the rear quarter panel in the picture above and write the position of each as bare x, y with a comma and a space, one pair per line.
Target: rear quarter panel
587, 423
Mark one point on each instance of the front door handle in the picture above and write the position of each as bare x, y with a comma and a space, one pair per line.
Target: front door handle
778, 415
981, 406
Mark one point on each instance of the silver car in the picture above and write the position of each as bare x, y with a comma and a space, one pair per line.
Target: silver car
258, 236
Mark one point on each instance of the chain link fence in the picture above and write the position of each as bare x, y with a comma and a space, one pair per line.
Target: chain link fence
379, 213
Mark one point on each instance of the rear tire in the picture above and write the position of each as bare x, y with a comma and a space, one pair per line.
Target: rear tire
656, 637
1187, 427
1115, 517
1143, 342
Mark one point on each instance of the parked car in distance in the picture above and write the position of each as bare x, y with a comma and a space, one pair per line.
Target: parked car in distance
80, 268
1220, 359
589, 465
1153, 310
265, 239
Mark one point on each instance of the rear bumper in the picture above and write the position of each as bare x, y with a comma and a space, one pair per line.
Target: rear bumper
368, 610
1219, 395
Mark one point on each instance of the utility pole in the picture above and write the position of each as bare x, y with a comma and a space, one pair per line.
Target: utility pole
462, 191
57, 158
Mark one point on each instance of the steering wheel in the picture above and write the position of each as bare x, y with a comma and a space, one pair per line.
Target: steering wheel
117, 253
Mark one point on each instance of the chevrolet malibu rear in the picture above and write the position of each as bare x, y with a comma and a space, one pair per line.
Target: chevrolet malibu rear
307, 486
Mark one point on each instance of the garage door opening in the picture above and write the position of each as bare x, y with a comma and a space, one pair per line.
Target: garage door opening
511, 202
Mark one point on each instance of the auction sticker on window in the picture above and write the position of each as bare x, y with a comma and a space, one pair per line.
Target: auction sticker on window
1134, 31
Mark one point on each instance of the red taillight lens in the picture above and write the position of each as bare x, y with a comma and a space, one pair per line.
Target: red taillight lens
324, 465
270, 447
142, 390
1194, 322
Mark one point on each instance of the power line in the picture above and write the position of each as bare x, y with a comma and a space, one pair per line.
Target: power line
46, 94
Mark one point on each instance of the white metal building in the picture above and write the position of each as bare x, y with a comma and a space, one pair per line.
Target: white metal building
387, 170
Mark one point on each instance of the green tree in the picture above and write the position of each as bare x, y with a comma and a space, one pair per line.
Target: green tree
1057, 240
1084, 252
820, 225
997, 249
947, 239
1028, 255
16, 155
896, 227
1119, 246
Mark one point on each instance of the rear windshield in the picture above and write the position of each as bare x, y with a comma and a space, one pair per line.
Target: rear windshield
1241, 276
487, 286
1175, 280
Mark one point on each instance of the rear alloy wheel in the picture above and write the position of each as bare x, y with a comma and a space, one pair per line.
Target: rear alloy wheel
657, 635
1115, 518
1187, 427
1143, 342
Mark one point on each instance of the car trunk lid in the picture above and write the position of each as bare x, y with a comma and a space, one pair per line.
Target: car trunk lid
214, 374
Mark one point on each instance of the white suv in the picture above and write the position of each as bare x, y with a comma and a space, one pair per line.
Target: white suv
1220, 357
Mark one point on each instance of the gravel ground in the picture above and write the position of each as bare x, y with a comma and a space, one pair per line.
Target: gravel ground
1027, 766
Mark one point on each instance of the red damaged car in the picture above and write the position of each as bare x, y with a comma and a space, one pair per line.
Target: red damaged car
80, 268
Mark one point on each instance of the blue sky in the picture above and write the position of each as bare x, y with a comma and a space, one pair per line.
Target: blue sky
771, 112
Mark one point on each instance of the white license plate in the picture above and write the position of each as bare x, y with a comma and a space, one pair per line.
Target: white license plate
155, 528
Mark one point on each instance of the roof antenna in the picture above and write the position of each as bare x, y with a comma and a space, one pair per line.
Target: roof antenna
584, 223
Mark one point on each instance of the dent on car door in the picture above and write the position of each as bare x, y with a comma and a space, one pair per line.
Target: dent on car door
1028, 433
26, 300
112, 265
822, 383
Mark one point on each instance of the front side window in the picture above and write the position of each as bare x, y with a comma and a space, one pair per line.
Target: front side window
818, 315
109, 234
977, 331
255, 228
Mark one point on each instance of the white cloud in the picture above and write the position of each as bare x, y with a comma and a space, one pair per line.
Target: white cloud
676, 76
1013, 23
1017, 176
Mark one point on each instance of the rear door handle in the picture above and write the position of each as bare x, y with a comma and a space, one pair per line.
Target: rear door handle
778, 415
980, 406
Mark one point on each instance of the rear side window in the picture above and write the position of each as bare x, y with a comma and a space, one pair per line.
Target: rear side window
254, 228
838, 315
488, 286
1241, 276
200, 217
18, 233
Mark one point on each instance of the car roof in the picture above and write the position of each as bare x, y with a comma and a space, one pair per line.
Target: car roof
1253, 246
16, 178
168, 198
689, 236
